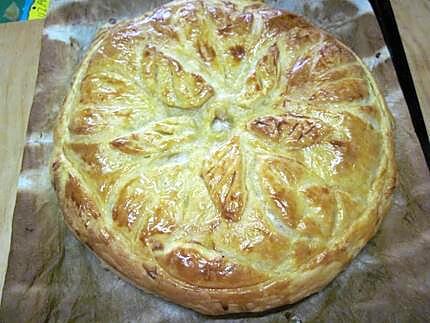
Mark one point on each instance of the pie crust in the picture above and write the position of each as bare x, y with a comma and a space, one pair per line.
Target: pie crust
225, 155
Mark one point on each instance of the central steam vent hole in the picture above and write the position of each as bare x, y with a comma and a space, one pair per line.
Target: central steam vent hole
220, 125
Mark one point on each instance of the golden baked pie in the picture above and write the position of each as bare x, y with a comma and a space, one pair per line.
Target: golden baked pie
225, 155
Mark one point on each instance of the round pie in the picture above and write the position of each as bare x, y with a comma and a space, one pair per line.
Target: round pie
225, 155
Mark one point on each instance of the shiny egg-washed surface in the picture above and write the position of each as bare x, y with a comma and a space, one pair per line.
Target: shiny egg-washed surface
225, 155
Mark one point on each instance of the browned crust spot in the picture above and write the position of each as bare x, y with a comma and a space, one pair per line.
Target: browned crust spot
296, 131
162, 222
222, 175
81, 200
192, 267
206, 52
238, 52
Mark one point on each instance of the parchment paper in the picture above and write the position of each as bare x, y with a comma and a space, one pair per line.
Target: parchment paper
52, 277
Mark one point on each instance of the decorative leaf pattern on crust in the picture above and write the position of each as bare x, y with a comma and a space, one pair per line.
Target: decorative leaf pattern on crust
110, 119
327, 73
265, 77
161, 222
190, 266
290, 130
175, 86
98, 163
131, 202
223, 175
301, 199
80, 199
337, 158
166, 135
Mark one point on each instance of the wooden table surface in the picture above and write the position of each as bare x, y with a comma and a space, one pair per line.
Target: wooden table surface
19, 60
413, 18
19, 56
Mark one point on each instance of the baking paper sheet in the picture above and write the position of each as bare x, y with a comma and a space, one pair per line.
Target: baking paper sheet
52, 277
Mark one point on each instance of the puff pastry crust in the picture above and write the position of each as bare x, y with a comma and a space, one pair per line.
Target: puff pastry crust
225, 155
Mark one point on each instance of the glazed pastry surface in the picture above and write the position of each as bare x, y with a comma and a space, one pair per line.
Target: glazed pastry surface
227, 156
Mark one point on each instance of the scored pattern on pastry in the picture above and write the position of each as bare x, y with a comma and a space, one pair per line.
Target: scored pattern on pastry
224, 143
